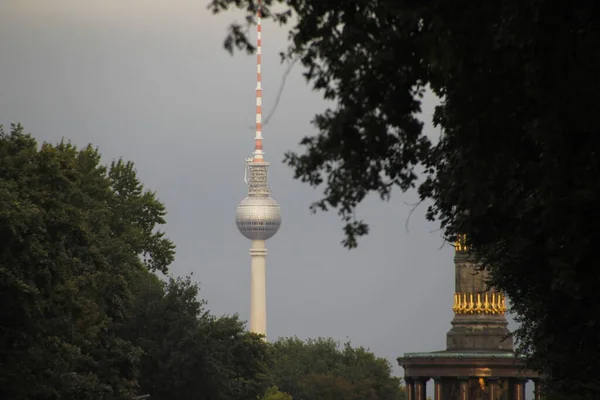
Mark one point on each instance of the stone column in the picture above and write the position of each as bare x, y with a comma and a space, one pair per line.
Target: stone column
493, 388
518, 386
410, 388
538, 388
421, 388
464, 388
437, 388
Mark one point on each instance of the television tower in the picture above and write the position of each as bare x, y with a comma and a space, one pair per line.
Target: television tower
258, 216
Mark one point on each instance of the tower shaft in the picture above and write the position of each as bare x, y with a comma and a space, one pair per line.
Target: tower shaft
258, 288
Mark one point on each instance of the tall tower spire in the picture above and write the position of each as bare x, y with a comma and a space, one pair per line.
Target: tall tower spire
258, 216
258, 149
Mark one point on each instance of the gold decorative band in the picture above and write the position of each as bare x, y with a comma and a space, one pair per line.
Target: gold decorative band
460, 245
480, 303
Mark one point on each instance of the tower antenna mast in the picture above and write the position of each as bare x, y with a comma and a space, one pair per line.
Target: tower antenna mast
258, 147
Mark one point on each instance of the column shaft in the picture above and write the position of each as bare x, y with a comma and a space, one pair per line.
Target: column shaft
518, 389
493, 388
410, 389
437, 389
420, 389
464, 389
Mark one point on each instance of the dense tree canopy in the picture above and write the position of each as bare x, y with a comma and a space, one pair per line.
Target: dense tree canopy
65, 268
189, 353
318, 369
516, 168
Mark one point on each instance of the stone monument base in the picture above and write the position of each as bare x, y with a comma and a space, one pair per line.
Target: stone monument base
467, 375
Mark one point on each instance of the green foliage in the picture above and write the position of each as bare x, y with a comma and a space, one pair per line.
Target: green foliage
187, 352
320, 369
63, 275
516, 168
273, 393
136, 213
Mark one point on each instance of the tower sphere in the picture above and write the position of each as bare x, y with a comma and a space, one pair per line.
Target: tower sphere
258, 217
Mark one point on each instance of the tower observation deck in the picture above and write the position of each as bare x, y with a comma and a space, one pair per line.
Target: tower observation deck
258, 216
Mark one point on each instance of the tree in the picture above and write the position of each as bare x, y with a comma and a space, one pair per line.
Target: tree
320, 369
65, 264
188, 353
516, 167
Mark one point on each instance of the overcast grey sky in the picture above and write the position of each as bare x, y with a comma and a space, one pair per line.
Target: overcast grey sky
149, 81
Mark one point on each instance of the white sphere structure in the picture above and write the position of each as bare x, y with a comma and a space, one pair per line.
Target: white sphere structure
258, 217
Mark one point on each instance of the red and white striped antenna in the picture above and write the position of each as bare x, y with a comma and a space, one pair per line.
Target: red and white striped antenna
258, 147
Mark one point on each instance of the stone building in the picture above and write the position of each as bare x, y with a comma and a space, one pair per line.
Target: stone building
479, 362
